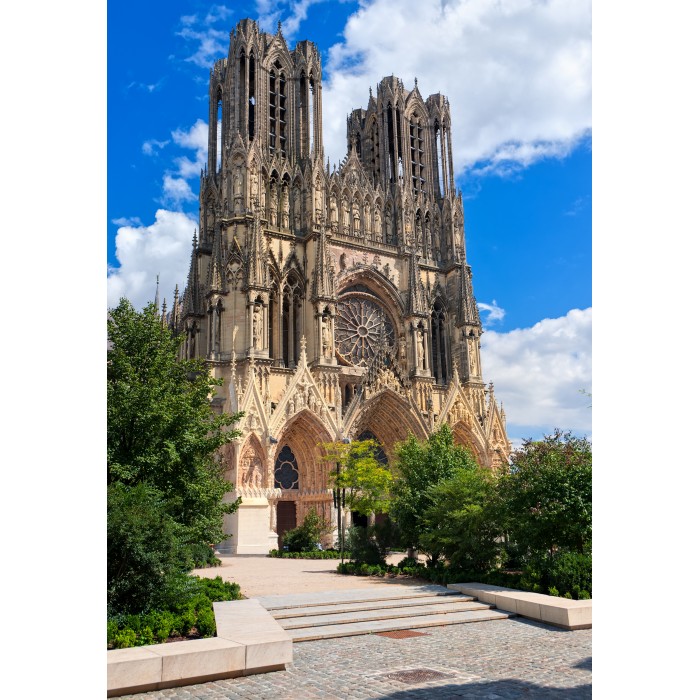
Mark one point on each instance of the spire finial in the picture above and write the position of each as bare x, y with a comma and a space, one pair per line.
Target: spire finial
157, 299
415, 82
279, 26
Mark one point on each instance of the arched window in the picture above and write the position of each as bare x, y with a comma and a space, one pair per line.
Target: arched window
286, 470
251, 97
440, 156
369, 435
219, 131
439, 342
291, 321
278, 110
374, 149
417, 154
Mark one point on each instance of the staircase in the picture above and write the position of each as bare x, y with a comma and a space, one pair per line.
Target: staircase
309, 616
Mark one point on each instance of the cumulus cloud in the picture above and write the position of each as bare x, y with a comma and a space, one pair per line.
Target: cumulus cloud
146, 251
196, 138
176, 190
517, 73
539, 373
493, 311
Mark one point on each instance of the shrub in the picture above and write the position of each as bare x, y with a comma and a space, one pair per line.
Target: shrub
308, 535
363, 546
202, 556
193, 610
314, 554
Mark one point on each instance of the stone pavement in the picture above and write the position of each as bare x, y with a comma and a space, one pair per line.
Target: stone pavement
507, 659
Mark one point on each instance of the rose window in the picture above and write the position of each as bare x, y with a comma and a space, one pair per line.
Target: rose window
359, 326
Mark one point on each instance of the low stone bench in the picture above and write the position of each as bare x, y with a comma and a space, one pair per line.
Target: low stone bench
560, 612
249, 640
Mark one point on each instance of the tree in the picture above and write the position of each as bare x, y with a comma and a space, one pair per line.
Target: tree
360, 481
461, 523
420, 465
364, 478
163, 435
547, 496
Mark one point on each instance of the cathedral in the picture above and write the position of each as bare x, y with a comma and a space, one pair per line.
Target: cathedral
335, 303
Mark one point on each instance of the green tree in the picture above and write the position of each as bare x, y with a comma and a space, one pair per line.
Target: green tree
420, 465
461, 523
547, 496
163, 435
360, 482
365, 480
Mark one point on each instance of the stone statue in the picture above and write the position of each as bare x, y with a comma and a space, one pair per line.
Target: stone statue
326, 337
257, 327
346, 216
285, 206
419, 348
273, 204
253, 186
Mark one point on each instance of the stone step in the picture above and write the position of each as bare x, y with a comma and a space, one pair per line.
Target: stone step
355, 595
351, 617
308, 634
284, 613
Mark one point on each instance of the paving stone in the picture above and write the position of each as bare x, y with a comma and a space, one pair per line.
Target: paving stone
511, 658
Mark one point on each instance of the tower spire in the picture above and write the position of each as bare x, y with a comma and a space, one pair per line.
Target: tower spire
157, 299
192, 298
416, 293
467, 310
323, 286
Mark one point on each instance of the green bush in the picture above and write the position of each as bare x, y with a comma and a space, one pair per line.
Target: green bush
193, 611
314, 554
202, 556
306, 537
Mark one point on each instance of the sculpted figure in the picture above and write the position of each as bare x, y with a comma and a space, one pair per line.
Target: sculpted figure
273, 204
419, 347
326, 337
285, 206
257, 327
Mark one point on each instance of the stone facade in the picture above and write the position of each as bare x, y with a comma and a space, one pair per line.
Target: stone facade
332, 302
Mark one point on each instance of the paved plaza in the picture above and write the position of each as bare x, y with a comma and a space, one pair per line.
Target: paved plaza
512, 658
505, 659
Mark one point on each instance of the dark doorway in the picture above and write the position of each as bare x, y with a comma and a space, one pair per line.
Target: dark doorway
358, 520
286, 519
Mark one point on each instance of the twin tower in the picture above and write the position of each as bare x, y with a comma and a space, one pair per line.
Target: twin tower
333, 302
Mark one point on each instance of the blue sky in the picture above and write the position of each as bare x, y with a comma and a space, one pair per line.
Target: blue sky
518, 77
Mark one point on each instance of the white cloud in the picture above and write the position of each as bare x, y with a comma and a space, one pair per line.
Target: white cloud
517, 73
176, 190
146, 251
196, 138
539, 372
210, 44
270, 12
153, 146
127, 221
493, 311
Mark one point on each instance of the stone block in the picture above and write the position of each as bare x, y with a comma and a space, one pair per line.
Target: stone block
199, 658
133, 668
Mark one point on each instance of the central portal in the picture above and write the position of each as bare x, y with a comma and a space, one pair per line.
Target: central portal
286, 519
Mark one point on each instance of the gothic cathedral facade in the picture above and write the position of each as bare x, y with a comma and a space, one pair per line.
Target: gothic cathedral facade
333, 302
